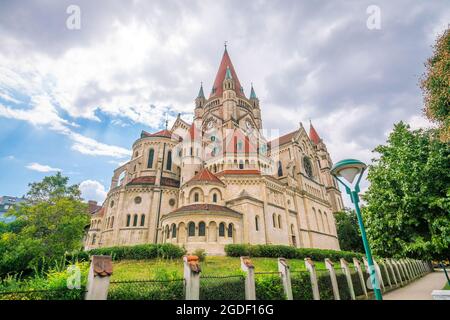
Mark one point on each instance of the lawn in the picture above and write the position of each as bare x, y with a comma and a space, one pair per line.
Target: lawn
446, 287
214, 265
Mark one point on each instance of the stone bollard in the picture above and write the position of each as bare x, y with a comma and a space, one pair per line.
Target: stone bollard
330, 266
283, 268
98, 278
192, 277
249, 269
357, 266
348, 275
394, 277
310, 266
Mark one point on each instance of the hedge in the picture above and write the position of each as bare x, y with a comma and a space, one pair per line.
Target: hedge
149, 290
269, 288
137, 252
357, 287
288, 252
216, 288
301, 286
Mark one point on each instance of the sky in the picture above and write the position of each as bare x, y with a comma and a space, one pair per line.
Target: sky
76, 90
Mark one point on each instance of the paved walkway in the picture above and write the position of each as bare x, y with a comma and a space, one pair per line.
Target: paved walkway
420, 289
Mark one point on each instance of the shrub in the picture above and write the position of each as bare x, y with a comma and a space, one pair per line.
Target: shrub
325, 286
201, 254
269, 288
344, 290
288, 252
357, 287
140, 252
301, 286
217, 288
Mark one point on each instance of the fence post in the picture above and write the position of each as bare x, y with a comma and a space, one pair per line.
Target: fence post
404, 268
413, 269
348, 275
387, 272
310, 266
378, 271
329, 265
361, 277
192, 277
394, 277
98, 278
283, 268
249, 269
400, 278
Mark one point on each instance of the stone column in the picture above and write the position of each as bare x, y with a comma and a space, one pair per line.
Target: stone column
357, 266
348, 275
329, 265
192, 277
249, 269
394, 277
98, 278
313, 276
283, 268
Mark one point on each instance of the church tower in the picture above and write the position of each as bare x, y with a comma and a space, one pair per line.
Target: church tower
325, 165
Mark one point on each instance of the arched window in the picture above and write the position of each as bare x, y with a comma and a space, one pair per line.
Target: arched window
274, 220
279, 222
135, 218
169, 161
201, 229
196, 197
257, 223
280, 169
151, 154
316, 218
328, 222
230, 230
191, 229
292, 229
174, 231
321, 220
241, 164
167, 232
214, 197
112, 222
142, 220
128, 220
93, 238
222, 229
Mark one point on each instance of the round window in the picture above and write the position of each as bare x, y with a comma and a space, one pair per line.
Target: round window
137, 200
172, 202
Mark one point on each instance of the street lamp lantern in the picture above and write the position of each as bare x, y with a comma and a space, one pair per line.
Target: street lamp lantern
349, 169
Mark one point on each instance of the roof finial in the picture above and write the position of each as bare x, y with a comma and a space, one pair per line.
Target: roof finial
225, 45
252, 92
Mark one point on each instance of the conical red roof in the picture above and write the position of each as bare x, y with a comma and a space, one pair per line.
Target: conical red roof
224, 64
313, 134
206, 175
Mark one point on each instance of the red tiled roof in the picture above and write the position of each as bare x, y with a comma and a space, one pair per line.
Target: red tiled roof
206, 175
204, 207
283, 139
313, 134
239, 172
218, 82
194, 132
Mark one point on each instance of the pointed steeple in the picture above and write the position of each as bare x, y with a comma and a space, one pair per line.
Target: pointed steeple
226, 71
313, 134
200, 92
252, 93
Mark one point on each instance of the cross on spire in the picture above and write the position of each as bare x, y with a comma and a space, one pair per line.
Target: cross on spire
225, 45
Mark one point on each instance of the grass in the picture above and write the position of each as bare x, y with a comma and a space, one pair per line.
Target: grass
214, 265
446, 287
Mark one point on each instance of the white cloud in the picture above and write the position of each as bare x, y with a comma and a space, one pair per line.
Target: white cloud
41, 167
92, 190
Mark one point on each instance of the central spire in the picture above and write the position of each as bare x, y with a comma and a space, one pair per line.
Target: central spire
226, 69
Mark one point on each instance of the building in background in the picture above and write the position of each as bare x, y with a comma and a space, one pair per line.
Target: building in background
6, 203
219, 180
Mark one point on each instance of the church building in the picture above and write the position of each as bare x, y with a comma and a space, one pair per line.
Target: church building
219, 180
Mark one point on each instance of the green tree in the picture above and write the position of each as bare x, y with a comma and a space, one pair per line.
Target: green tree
348, 231
435, 85
50, 223
408, 200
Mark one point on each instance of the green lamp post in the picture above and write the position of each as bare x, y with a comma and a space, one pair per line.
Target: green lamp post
349, 169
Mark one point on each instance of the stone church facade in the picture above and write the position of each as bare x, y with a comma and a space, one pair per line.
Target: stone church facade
218, 180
